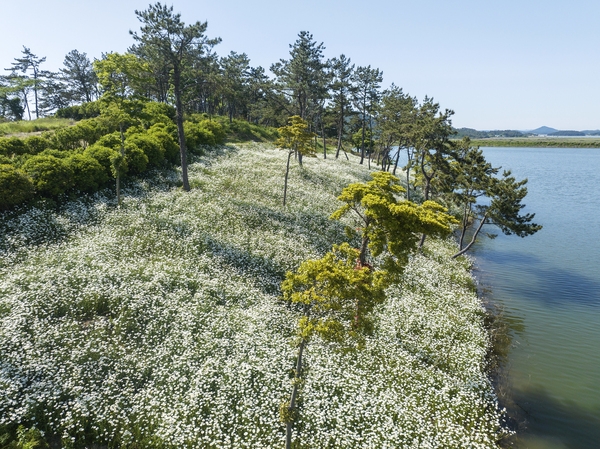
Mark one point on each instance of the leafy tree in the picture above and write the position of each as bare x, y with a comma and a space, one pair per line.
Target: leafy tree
366, 95
303, 79
395, 120
16, 92
118, 75
28, 62
54, 95
15, 186
236, 69
165, 39
473, 179
389, 225
342, 91
430, 137
78, 73
11, 107
336, 297
295, 138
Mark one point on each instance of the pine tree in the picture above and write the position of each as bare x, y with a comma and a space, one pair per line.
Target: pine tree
165, 39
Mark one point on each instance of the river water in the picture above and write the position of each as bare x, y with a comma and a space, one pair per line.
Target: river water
548, 285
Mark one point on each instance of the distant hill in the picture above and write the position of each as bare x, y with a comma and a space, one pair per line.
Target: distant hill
543, 130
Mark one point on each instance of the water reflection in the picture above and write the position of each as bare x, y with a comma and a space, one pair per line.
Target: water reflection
552, 285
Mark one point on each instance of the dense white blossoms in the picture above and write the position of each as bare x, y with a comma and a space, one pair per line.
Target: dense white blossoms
161, 322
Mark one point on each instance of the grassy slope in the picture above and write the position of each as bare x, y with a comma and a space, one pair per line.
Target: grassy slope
160, 322
24, 127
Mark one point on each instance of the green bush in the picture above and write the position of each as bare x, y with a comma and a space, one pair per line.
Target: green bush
151, 147
154, 112
135, 158
80, 112
205, 132
84, 133
15, 186
166, 136
12, 145
56, 153
112, 140
103, 155
88, 173
36, 144
51, 176
219, 131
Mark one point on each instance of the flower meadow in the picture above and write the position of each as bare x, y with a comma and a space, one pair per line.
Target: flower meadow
160, 323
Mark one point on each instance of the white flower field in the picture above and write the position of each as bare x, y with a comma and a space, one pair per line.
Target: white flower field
160, 324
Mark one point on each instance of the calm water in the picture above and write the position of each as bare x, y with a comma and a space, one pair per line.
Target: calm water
549, 286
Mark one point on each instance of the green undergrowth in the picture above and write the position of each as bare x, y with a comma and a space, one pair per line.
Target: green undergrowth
160, 324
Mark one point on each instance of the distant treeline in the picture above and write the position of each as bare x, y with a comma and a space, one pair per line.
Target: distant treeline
474, 134
539, 142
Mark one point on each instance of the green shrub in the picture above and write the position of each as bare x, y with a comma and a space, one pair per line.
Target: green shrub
103, 155
219, 131
80, 112
135, 158
83, 134
36, 144
151, 147
51, 176
154, 112
12, 145
166, 136
112, 140
88, 173
205, 132
56, 153
15, 186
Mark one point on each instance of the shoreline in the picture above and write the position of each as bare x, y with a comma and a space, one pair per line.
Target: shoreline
539, 142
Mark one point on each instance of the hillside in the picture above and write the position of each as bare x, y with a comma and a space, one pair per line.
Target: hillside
160, 324
543, 130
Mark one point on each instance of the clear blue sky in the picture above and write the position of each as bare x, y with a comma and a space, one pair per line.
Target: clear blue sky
499, 65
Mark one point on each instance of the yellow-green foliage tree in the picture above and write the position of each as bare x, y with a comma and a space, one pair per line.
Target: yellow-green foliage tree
336, 298
295, 138
338, 292
389, 224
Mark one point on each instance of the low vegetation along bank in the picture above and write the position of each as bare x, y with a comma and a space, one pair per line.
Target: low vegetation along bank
160, 323
540, 142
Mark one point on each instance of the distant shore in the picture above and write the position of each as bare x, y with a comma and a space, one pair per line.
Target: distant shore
541, 142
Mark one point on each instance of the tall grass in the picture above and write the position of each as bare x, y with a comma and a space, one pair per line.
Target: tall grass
30, 126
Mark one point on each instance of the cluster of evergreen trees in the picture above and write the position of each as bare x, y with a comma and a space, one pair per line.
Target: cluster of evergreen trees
171, 72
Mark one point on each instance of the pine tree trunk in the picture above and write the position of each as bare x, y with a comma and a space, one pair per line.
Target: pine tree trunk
324, 142
119, 167
179, 120
466, 248
294, 396
287, 170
